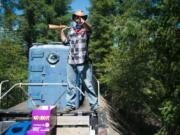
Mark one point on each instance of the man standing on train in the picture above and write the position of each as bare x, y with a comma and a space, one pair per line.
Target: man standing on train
78, 61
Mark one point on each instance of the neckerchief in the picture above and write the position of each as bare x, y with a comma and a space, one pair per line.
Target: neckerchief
78, 28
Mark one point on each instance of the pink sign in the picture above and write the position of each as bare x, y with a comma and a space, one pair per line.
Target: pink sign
43, 120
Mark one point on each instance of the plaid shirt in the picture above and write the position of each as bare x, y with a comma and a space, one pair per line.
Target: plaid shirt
78, 51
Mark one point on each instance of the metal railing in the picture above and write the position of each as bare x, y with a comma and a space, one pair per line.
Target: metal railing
98, 89
44, 84
28, 84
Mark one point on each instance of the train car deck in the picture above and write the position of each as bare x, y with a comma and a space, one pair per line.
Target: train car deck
75, 122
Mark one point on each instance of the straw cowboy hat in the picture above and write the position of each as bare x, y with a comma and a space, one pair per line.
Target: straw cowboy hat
79, 13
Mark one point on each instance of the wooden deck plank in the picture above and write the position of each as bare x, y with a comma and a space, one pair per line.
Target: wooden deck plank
72, 120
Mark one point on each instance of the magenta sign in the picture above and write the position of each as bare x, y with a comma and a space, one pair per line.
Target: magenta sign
43, 120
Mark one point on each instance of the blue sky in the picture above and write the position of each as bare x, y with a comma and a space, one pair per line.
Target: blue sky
80, 4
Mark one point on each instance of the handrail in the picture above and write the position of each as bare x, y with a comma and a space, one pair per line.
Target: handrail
1, 88
45, 84
31, 84
98, 85
2, 84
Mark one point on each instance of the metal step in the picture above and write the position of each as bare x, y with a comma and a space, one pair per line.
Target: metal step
73, 131
4, 125
73, 121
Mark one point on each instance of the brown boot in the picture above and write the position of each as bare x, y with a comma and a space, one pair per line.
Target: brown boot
98, 109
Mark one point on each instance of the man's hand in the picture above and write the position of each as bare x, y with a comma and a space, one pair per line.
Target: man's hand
82, 20
62, 35
85, 24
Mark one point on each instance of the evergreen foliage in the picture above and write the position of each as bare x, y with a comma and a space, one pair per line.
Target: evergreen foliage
13, 67
141, 73
101, 18
37, 15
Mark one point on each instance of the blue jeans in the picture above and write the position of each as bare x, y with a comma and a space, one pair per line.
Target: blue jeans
82, 72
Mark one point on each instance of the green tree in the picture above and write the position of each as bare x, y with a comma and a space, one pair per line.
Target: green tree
8, 14
142, 73
37, 15
101, 18
8, 21
13, 67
